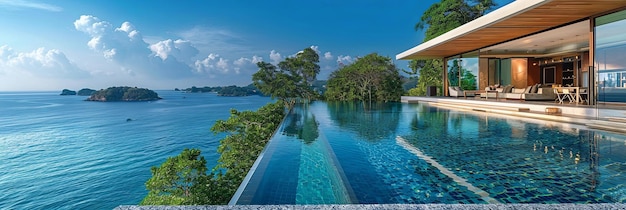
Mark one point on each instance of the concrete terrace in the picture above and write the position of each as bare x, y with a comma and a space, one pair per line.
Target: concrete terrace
606, 117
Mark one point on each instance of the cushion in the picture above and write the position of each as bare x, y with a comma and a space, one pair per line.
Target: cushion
527, 90
518, 90
499, 90
508, 88
496, 85
534, 88
487, 88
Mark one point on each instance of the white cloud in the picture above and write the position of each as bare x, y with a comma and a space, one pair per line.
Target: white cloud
275, 57
328, 56
256, 59
345, 59
179, 49
38, 63
212, 65
17, 4
247, 61
222, 64
125, 46
315, 48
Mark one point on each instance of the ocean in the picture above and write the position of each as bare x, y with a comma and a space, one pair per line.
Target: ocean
61, 152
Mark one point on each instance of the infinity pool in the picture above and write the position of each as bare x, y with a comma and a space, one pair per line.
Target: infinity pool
338, 153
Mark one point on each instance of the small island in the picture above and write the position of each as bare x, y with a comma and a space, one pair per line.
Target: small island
66, 92
86, 92
124, 94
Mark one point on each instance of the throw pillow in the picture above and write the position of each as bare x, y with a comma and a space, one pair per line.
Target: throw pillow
534, 89
528, 89
508, 88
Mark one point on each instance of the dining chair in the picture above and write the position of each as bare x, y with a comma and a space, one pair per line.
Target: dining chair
559, 97
569, 95
584, 96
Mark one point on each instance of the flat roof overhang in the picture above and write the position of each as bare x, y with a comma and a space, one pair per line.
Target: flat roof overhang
517, 19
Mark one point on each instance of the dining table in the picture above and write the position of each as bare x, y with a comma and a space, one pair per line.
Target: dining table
574, 91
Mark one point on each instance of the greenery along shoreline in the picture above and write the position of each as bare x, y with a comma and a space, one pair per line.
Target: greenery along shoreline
224, 90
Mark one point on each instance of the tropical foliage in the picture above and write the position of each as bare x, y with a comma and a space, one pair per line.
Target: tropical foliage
183, 179
456, 74
225, 90
291, 81
248, 132
172, 183
440, 18
370, 78
86, 92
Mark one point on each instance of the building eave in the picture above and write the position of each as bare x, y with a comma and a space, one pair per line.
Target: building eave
517, 19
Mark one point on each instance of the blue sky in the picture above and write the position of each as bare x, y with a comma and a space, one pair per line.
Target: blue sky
158, 44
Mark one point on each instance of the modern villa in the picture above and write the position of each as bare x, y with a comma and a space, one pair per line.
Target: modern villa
570, 45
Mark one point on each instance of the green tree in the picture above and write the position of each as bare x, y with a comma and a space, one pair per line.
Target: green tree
292, 80
453, 73
370, 78
468, 81
248, 132
183, 179
430, 74
172, 183
440, 18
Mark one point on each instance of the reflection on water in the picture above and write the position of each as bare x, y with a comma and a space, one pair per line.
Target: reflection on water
300, 123
371, 121
519, 162
349, 153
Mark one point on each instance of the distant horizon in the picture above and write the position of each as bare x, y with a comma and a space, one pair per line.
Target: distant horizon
77, 89
61, 44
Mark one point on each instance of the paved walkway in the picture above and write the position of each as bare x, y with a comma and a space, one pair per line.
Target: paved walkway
392, 206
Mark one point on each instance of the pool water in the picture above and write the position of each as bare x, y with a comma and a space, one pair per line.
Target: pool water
338, 153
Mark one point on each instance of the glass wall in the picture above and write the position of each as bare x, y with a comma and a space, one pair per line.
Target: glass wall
499, 71
610, 57
463, 71
505, 71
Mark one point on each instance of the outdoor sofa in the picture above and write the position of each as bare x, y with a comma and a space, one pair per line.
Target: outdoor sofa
456, 91
530, 93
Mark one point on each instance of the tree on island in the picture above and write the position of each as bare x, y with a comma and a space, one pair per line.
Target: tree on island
232, 90
85, 92
440, 18
292, 80
124, 94
370, 78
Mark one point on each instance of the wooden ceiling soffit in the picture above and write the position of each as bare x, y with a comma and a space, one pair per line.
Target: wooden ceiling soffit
541, 18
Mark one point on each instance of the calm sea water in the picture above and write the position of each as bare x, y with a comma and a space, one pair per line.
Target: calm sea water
60, 152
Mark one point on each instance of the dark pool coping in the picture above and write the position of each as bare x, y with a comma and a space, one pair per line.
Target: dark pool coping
391, 206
